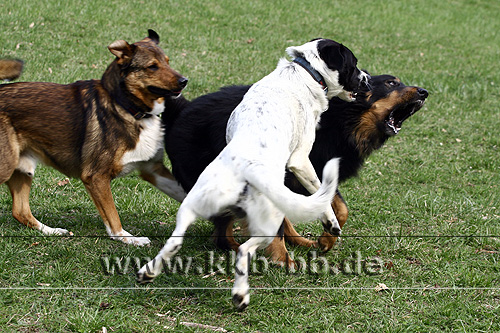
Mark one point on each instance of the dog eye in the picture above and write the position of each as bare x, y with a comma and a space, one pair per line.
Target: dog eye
153, 67
393, 83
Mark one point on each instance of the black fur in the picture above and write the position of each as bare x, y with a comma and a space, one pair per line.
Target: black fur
340, 58
195, 135
195, 132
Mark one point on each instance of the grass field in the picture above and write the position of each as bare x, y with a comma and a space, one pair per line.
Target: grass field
424, 212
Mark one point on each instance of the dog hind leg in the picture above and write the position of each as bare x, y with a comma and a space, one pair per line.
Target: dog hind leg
264, 219
185, 217
9, 149
19, 185
223, 233
160, 177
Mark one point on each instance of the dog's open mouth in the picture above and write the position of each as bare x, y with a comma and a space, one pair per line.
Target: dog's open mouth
398, 115
164, 92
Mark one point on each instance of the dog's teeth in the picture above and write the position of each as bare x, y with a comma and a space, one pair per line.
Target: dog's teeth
391, 124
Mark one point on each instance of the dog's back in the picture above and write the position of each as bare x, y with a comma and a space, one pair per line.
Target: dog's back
277, 117
30, 106
196, 135
10, 69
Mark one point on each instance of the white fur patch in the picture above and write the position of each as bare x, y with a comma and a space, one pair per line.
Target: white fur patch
309, 51
158, 108
149, 145
27, 163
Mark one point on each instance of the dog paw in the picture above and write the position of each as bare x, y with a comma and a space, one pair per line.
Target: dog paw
139, 241
335, 231
241, 301
61, 232
46, 230
127, 238
143, 277
332, 227
326, 241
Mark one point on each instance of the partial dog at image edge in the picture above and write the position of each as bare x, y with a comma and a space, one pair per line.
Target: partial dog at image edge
195, 135
94, 130
10, 69
273, 128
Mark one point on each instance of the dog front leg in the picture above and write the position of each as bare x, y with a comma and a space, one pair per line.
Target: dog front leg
293, 237
305, 173
326, 240
100, 192
160, 177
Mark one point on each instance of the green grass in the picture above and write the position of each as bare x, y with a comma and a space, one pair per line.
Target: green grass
438, 178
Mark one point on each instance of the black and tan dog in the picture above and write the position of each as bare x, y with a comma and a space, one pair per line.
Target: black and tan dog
10, 69
195, 134
95, 130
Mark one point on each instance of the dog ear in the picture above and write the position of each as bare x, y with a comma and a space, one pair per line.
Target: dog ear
333, 55
122, 50
153, 36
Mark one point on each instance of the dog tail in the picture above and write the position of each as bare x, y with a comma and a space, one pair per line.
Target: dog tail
10, 69
298, 207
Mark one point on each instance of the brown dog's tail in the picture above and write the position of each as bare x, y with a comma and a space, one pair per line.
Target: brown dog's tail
10, 69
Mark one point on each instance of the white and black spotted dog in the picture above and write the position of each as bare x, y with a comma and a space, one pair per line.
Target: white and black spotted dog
273, 128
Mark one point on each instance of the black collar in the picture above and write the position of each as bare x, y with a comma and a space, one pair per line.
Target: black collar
314, 73
135, 110
137, 114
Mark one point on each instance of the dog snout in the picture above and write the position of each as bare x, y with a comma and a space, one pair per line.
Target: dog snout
423, 93
335, 231
182, 82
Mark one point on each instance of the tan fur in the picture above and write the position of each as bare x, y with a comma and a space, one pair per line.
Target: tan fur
379, 111
157, 169
10, 69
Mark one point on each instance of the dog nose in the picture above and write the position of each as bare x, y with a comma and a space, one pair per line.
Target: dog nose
182, 82
335, 231
422, 92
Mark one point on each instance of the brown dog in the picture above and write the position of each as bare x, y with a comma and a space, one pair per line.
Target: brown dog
95, 130
10, 69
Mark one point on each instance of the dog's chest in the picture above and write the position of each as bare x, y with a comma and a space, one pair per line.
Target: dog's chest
149, 145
